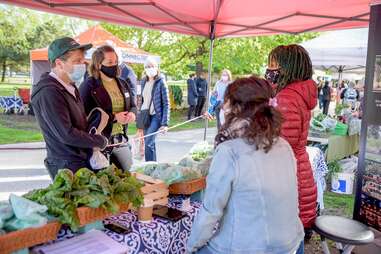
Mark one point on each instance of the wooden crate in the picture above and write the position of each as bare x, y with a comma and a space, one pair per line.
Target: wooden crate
188, 187
153, 189
29, 237
88, 215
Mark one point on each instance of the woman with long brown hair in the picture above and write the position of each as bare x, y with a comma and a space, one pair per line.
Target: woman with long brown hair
106, 90
251, 186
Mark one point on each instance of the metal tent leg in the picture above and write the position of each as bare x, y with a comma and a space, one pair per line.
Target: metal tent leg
209, 82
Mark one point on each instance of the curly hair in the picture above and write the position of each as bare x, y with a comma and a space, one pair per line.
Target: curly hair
248, 99
294, 64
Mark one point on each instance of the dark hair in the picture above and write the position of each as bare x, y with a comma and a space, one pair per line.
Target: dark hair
248, 99
97, 59
326, 83
191, 75
294, 64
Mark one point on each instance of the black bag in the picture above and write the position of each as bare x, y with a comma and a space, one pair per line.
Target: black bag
143, 119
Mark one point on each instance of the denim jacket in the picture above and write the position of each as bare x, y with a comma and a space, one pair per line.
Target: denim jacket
253, 197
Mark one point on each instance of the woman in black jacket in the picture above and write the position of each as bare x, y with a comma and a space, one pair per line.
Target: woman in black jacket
104, 89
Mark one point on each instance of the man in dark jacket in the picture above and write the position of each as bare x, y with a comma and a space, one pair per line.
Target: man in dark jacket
202, 90
326, 97
192, 95
59, 109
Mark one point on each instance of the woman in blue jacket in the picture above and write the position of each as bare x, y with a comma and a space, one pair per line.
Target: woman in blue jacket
106, 90
155, 100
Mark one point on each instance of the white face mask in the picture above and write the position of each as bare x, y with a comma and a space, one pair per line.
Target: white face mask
151, 71
224, 78
77, 73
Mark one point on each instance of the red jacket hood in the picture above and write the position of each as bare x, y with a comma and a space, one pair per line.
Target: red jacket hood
307, 90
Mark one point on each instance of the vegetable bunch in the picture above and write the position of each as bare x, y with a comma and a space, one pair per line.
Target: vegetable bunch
106, 188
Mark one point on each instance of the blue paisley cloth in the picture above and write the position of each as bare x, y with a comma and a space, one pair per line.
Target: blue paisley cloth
159, 236
320, 170
11, 102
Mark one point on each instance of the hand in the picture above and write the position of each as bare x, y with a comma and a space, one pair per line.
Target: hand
121, 117
208, 116
163, 129
131, 117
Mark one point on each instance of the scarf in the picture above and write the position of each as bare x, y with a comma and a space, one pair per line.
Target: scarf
236, 130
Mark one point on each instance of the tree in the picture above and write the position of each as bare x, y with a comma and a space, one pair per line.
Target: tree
178, 52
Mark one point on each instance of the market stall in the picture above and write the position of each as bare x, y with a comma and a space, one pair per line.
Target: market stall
97, 36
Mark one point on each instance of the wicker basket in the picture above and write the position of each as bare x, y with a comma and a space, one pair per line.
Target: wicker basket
88, 215
188, 187
28, 237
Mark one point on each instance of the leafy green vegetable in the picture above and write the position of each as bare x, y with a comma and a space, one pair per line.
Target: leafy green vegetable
104, 189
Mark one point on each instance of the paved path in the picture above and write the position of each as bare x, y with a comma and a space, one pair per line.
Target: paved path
23, 170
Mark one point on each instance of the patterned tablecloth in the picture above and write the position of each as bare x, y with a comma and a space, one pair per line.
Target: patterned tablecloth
159, 236
11, 102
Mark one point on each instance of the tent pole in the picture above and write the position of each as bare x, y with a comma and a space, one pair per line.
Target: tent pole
210, 66
209, 82
338, 93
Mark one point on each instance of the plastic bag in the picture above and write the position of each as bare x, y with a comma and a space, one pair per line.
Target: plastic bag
137, 147
98, 160
6, 212
201, 151
349, 165
354, 126
26, 214
200, 166
175, 174
329, 123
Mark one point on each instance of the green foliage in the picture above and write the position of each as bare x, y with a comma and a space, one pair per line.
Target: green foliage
106, 189
180, 53
177, 94
333, 168
339, 108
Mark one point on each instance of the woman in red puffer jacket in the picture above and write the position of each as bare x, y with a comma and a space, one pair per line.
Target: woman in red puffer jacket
290, 70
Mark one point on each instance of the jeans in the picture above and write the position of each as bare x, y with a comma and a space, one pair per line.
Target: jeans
301, 248
200, 105
325, 107
150, 142
191, 110
53, 165
321, 101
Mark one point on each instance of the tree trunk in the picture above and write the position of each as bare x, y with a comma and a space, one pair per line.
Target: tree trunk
4, 70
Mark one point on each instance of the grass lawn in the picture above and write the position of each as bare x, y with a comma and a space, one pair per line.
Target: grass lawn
339, 204
8, 89
10, 135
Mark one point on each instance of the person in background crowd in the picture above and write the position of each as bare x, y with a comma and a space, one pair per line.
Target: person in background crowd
326, 97
320, 91
202, 90
219, 92
192, 95
126, 72
290, 69
155, 98
104, 89
59, 110
256, 211
350, 95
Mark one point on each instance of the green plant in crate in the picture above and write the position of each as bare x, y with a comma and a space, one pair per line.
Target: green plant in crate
333, 168
177, 94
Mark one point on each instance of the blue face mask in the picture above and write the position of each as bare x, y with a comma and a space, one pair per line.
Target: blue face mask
78, 72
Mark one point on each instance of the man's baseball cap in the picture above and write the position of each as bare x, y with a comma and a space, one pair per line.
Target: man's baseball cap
62, 45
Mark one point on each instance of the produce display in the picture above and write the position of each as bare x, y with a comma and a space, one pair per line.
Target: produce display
193, 166
106, 188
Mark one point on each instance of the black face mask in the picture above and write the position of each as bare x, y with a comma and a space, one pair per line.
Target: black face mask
272, 75
110, 71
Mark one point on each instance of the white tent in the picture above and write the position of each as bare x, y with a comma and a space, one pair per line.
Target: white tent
339, 51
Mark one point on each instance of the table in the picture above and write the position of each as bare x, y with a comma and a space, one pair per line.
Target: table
159, 236
338, 147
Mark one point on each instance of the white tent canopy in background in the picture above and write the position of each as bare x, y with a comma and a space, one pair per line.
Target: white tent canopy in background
339, 51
